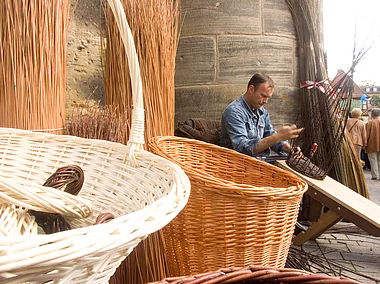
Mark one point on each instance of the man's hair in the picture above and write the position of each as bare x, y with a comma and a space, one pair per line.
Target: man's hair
375, 112
258, 79
356, 113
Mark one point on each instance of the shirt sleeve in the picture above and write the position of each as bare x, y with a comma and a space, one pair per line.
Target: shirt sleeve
237, 131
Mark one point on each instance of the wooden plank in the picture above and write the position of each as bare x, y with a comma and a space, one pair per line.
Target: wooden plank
316, 208
325, 222
342, 200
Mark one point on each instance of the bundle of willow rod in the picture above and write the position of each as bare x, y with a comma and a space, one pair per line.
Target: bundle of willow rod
99, 122
316, 262
154, 25
33, 63
324, 115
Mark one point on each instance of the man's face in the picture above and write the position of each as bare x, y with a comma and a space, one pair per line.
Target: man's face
260, 96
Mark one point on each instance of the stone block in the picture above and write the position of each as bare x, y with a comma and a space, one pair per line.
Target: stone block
205, 101
242, 56
364, 257
364, 238
370, 250
277, 18
195, 61
336, 236
221, 17
283, 107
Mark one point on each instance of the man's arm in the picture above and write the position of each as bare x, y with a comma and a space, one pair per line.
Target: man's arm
284, 133
286, 147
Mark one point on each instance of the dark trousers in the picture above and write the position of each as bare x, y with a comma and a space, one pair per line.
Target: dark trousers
364, 157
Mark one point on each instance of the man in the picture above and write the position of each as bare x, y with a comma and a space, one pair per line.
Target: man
373, 143
246, 125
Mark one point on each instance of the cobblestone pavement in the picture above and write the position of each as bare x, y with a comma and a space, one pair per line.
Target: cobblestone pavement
350, 246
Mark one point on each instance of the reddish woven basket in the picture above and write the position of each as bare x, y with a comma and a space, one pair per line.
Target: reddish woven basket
241, 211
256, 274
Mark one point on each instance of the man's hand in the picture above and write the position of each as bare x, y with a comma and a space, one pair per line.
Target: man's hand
284, 133
289, 132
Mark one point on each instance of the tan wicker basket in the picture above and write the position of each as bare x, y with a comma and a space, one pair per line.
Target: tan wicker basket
241, 211
257, 274
142, 190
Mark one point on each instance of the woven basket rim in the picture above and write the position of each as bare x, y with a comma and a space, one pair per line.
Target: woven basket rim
245, 189
9, 132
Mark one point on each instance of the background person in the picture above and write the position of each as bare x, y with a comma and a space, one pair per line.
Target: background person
246, 125
373, 142
356, 130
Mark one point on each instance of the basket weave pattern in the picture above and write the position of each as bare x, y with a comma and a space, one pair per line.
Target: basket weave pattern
143, 191
241, 211
256, 274
143, 198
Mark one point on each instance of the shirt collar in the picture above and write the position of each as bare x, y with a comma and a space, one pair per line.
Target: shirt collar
260, 111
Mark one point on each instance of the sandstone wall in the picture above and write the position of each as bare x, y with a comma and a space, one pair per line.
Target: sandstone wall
222, 44
84, 69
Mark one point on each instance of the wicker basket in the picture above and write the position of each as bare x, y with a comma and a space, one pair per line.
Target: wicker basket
142, 190
241, 211
256, 274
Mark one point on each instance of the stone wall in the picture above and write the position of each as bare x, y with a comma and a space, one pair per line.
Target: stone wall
84, 69
222, 44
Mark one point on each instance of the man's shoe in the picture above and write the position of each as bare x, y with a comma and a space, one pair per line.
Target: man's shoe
299, 228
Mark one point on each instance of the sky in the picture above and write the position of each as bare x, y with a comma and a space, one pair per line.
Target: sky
340, 19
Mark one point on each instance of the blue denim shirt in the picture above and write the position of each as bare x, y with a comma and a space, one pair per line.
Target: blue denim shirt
242, 128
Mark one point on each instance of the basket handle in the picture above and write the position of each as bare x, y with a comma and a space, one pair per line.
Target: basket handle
136, 136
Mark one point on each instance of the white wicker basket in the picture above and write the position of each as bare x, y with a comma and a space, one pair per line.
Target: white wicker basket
143, 191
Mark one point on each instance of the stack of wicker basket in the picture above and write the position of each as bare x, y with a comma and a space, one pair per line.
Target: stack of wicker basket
241, 211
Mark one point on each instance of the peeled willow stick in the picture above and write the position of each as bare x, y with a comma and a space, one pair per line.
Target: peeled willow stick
33, 64
154, 25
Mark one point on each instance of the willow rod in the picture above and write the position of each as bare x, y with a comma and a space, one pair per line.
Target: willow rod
154, 25
33, 63
317, 111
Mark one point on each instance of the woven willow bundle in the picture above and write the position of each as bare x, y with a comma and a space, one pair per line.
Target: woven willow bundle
154, 25
324, 116
99, 122
33, 63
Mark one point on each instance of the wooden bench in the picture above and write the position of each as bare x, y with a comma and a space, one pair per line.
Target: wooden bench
342, 203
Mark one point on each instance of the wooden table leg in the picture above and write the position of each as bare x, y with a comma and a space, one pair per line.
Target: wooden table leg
315, 210
325, 222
